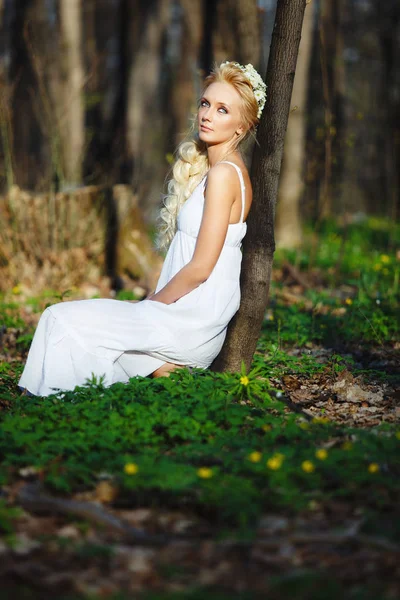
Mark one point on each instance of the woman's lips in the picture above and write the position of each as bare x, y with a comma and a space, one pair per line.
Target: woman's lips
205, 128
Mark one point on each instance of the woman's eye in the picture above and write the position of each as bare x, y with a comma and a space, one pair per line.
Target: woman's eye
205, 103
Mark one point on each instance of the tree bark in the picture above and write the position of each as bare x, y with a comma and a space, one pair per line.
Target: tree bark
25, 139
259, 243
145, 127
184, 76
288, 226
333, 78
72, 120
237, 35
389, 25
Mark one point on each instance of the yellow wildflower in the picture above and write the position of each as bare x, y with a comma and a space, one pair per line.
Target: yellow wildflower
398, 435
204, 473
373, 468
244, 380
131, 469
275, 462
303, 425
266, 427
307, 466
16, 289
255, 456
349, 301
377, 267
321, 453
385, 258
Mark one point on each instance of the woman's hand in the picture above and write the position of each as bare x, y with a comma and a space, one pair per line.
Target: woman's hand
153, 296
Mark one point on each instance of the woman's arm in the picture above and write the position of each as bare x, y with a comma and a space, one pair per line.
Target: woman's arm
219, 197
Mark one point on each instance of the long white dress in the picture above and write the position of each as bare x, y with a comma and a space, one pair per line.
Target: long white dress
77, 339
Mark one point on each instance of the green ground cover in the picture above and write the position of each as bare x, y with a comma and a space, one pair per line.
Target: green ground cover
228, 448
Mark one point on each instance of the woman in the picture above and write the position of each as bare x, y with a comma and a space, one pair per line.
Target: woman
203, 223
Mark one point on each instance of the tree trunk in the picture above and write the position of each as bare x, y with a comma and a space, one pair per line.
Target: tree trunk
237, 35
145, 128
25, 141
288, 226
184, 75
389, 26
72, 117
333, 78
259, 243
105, 34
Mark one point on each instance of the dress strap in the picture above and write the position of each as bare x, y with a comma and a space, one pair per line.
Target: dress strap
242, 185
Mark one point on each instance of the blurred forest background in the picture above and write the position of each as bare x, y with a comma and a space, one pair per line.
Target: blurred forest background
95, 95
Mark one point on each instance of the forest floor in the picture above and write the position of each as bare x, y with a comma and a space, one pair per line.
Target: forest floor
280, 482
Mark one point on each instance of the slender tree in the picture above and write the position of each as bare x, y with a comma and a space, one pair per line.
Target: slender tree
73, 120
288, 226
333, 84
388, 18
237, 32
144, 123
259, 243
26, 137
183, 73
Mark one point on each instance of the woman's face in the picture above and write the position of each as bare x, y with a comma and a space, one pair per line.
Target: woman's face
219, 118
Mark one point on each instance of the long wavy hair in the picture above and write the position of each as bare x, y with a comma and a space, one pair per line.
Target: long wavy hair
191, 158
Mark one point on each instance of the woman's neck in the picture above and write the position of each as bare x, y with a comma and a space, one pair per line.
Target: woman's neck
217, 158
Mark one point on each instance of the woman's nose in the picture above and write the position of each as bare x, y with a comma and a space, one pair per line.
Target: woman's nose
206, 113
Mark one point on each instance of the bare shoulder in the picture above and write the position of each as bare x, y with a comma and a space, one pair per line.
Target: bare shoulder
220, 174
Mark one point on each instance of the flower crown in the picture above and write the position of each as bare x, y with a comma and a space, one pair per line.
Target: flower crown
257, 83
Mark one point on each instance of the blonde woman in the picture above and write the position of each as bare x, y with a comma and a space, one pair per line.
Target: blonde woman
203, 222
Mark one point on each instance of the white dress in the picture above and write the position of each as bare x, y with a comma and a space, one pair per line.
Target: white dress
77, 339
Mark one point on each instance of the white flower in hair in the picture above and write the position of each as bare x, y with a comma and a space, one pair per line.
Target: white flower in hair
257, 83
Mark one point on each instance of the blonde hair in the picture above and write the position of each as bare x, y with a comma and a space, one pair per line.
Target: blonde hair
191, 163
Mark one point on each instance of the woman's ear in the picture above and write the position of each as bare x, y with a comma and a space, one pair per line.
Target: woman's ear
240, 129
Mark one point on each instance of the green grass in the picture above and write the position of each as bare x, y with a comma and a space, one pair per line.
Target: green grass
172, 427
223, 446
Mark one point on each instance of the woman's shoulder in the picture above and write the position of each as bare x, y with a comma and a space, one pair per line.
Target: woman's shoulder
224, 173
225, 170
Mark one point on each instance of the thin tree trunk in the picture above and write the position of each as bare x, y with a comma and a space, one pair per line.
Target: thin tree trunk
237, 35
145, 128
72, 120
105, 27
288, 227
333, 77
389, 24
259, 243
120, 154
182, 85
25, 143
